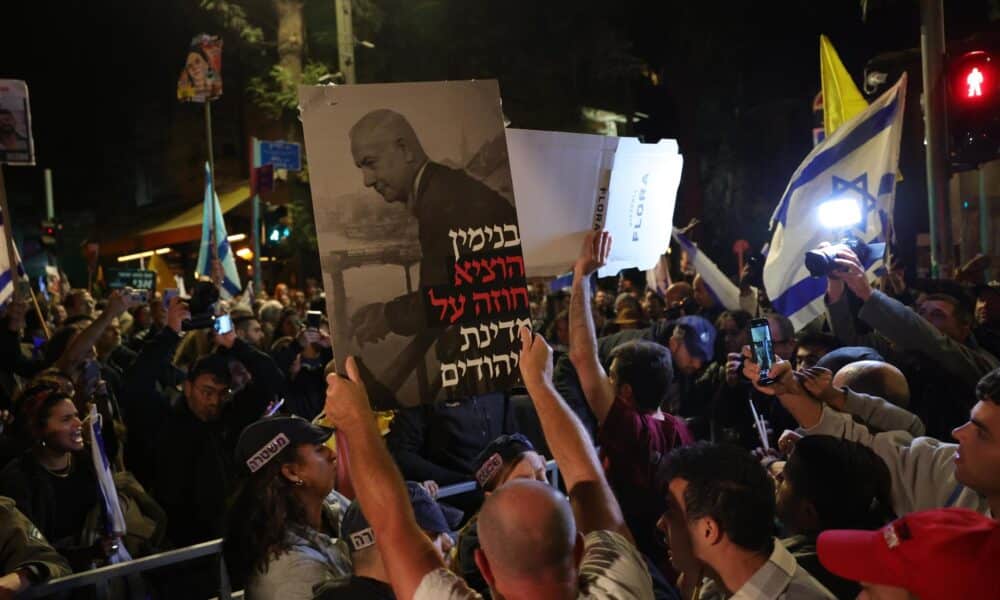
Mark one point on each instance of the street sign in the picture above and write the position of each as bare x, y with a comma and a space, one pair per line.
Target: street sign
283, 155
137, 279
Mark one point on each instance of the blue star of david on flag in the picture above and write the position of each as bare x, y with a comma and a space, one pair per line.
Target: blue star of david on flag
859, 186
857, 163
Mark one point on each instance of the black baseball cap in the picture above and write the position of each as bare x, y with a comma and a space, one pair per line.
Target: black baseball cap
261, 441
497, 453
431, 517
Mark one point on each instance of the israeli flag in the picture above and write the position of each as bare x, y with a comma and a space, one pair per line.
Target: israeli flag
230, 285
114, 518
844, 187
7, 279
721, 287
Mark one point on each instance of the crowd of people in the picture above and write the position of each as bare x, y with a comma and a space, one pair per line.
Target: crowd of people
868, 460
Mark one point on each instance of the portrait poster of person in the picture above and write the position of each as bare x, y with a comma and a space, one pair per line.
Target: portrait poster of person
201, 78
16, 144
418, 235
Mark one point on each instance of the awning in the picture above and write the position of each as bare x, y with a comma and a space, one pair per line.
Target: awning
185, 227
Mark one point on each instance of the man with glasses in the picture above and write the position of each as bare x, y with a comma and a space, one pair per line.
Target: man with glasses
194, 470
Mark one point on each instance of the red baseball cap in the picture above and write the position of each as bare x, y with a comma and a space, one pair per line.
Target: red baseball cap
935, 554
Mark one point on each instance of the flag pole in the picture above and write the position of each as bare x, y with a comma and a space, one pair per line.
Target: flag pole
15, 257
211, 176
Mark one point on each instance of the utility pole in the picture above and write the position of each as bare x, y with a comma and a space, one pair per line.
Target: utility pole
50, 206
345, 39
932, 50
985, 221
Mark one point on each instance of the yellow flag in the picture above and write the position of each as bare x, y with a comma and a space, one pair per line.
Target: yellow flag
164, 274
841, 98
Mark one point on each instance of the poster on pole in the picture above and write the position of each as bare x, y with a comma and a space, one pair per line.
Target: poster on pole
201, 77
418, 236
17, 147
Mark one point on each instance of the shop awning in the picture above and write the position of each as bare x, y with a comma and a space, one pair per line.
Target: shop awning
182, 228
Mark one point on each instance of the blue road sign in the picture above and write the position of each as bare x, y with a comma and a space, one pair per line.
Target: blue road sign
283, 155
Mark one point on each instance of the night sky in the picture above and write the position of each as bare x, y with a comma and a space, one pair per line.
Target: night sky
102, 75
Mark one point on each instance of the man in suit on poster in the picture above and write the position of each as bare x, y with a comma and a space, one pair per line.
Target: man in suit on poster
394, 163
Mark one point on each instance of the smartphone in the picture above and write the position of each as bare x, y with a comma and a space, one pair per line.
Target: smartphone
313, 319
169, 294
763, 348
223, 324
138, 296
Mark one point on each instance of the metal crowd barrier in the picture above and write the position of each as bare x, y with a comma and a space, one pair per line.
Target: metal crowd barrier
101, 576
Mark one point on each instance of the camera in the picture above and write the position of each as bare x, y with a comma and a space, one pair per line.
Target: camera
202, 306
823, 261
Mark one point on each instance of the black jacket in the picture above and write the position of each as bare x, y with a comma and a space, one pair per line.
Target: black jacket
441, 441
149, 388
25, 481
306, 392
193, 465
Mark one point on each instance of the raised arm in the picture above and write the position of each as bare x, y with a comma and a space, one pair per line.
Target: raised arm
594, 505
118, 303
873, 411
406, 551
597, 388
906, 329
805, 410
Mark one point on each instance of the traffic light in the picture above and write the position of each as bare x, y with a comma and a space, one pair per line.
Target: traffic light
277, 226
49, 234
973, 97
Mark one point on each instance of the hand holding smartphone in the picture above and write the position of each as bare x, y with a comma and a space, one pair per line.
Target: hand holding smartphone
223, 324
763, 348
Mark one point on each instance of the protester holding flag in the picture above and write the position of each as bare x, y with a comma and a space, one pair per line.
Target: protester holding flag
54, 483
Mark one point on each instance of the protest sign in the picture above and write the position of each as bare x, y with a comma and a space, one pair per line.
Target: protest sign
418, 236
17, 147
568, 183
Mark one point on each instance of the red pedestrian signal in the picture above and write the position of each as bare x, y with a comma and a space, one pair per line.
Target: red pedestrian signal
973, 102
975, 82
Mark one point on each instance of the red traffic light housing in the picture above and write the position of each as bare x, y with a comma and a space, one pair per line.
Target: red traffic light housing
49, 233
973, 98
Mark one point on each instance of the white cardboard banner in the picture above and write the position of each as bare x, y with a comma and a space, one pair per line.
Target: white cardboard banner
566, 184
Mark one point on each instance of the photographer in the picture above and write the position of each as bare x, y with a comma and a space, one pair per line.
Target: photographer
934, 345
302, 361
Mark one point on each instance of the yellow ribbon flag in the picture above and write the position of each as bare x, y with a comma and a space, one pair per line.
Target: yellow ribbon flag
841, 98
164, 274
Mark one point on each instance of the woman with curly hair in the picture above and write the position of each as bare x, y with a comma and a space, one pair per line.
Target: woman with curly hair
53, 481
281, 537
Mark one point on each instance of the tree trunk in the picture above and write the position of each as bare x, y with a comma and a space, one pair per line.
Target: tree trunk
291, 37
